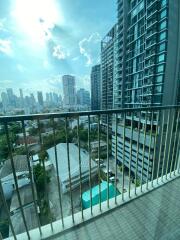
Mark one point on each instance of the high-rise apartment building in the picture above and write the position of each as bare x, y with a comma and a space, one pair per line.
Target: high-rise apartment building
83, 97
148, 51
96, 87
40, 99
69, 91
107, 68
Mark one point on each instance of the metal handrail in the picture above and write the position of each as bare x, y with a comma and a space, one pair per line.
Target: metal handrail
5, 119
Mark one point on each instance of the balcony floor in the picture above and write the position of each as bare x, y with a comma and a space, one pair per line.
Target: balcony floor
155, 215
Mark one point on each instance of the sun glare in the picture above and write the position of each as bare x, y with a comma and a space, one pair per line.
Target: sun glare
35, 18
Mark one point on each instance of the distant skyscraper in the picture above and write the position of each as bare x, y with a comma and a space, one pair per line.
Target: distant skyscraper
21, 97
96, 87
11, 100
83, 97
4, 98
69, 90
40, 98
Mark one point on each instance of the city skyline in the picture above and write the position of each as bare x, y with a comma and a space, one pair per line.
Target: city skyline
60, 47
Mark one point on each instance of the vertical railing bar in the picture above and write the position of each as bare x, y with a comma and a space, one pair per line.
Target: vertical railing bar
161, 141
116, 151
168, 156
123, 155
107, 160
31, 176
130, 159
1, 238
89, 148
99, 175
175, 139
176, 157
15, 178
57, 172
137, 153
149, 153
142, 169
44, 168
69, 169
167, 131
154, 153
7, 210
80, 170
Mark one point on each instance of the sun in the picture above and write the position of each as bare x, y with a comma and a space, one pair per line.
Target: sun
35, 18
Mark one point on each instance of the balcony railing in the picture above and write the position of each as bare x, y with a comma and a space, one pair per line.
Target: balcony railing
60, 169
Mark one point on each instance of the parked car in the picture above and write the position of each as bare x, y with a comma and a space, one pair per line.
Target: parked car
113, 179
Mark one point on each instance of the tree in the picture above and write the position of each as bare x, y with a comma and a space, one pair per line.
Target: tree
40, 177
43, 155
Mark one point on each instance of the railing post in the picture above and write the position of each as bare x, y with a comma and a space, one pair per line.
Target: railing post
80, 171
107, 160
160, 149
90, 178
31, 177
164, 156
7, 210
44, 169
130, 159
137, 153
154, 153
174, 145
99, 156
116, 156
170, 143
69, 169
149, 153
15, 179
123, 156
57, 172
144, 143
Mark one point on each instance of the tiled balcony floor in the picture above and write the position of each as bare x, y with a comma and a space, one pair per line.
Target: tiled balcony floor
155, 215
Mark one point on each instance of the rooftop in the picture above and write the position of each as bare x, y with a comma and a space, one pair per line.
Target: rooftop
20, 165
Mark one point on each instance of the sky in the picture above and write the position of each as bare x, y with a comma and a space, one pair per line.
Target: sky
41, 40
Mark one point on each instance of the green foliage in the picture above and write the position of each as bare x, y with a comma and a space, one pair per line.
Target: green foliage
137, 182
15, 128
33, 131
20, 151
40, 177
43, 155
3, 147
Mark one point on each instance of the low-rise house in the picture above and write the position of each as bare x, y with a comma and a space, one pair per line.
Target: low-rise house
22, 174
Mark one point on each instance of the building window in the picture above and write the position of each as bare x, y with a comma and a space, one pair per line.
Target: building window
162, 36
163, 3
158, 89
163, 14
161, 58
159, 79
162, 47
160, 68
163, 25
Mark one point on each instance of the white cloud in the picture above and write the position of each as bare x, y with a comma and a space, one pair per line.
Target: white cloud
59, 53
6, 47
88, 47
2, 27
